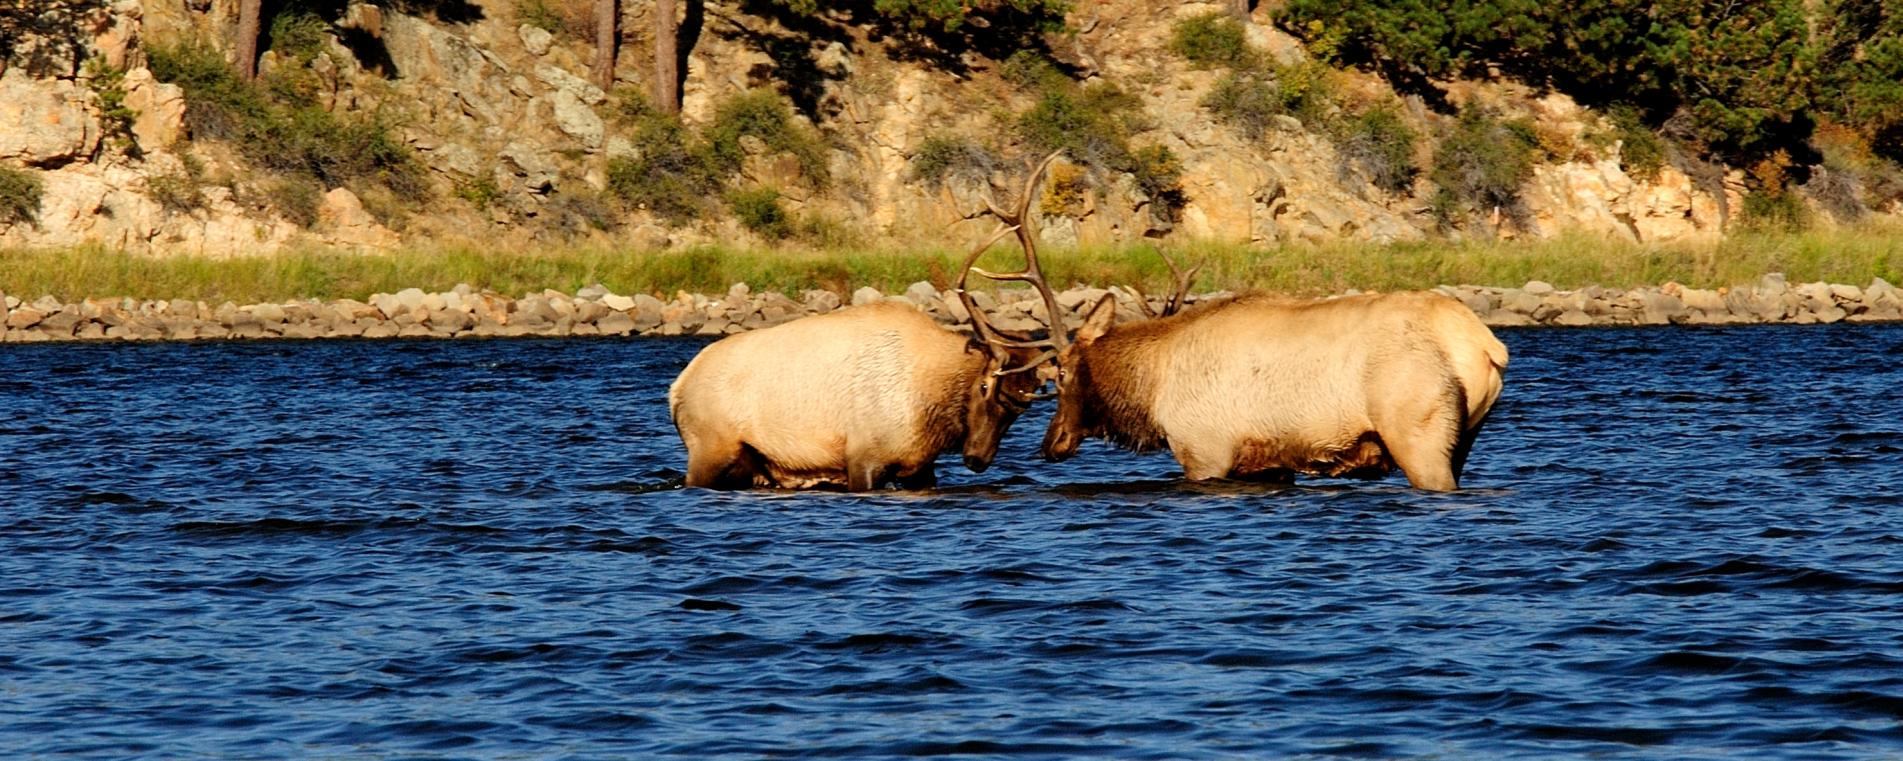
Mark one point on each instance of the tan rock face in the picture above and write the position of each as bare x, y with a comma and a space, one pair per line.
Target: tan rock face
343, 220
161, 109
45, 120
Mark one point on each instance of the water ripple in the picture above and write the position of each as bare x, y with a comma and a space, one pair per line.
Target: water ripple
1677, 543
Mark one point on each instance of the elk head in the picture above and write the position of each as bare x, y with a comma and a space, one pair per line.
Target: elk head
1077, 416
1013, 366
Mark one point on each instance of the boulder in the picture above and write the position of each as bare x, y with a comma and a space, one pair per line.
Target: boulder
867, 295
619, 303
344, 221
616, 324
44, 122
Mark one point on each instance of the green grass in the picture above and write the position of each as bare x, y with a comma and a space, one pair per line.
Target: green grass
1841, 256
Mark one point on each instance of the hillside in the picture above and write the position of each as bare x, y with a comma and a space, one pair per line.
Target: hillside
475, 121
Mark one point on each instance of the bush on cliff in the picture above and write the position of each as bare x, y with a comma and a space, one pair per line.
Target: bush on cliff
1378, 144
1212, 39
20, 192
1481, 165
277, 125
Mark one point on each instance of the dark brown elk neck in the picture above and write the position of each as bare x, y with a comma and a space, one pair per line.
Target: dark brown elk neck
944, 400
1122, 371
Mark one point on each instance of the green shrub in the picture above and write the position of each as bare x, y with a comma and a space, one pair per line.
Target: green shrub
175, 192
1212, 39
577, 211
20, 192
109, 93
217, 103
1482, 164
1774, 211
759, 210
288, 134
1033, 70
671, 173
298, 36
1246, 102
560, 17
296, 199
1249, 101
1641, 151
943, 156
1093, 125
766, 116
479, 192
1379, 143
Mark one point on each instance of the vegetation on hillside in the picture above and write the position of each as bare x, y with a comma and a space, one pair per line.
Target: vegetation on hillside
279, 124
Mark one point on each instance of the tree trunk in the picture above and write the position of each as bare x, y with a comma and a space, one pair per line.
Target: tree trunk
607, 34
667, 70
1239, 9
249, 12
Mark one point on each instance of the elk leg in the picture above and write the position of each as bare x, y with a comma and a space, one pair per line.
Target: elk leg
709, 464
924, 477
864, 475
1425, 458
1465, 446
1197, 466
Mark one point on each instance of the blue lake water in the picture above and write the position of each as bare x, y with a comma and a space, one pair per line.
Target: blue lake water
1675, 543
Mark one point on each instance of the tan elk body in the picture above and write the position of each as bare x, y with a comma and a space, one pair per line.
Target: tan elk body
1258, 387
853, 399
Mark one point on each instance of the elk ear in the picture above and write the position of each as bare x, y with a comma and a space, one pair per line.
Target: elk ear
1101, 317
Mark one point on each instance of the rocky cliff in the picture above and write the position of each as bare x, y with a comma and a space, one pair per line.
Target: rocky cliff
516, 144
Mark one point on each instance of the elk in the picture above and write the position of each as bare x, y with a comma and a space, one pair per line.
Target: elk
1261, 388
863, 396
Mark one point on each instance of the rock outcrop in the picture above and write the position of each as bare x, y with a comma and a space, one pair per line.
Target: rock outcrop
491, 103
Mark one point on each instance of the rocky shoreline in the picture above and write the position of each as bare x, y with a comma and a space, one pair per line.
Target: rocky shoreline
464, 312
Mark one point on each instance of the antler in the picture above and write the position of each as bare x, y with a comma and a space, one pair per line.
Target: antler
1015, 221
1176, 301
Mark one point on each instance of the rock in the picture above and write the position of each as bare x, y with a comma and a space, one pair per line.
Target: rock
1505, 318
1706, 301
536, 39
266, 313
161, 108
60, 324
867, 295
1831, 315
1519, 301
1771, 285
593, 292
1538, 287
452, 320
1573, 318
739, 291
820, 302
410, 299
922, 293
713, 328
574, 117
344, 221
1660, 308
615, 324
619, 303
24, 317
47, 123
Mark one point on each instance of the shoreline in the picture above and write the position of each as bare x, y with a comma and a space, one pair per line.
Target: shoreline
464, 312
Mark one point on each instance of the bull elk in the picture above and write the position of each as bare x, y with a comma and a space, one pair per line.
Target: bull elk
1262, 388
863, 396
